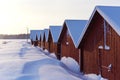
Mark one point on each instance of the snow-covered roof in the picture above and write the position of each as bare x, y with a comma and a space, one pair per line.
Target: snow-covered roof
33, 34
46, 34
55, 31
75, 29
110, 13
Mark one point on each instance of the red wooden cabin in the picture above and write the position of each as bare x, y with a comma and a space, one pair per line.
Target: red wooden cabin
53, 40
33, 37
69, 37
41, 40
46, 34
100, 43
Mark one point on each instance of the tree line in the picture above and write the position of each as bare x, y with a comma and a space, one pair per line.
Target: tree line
16, 36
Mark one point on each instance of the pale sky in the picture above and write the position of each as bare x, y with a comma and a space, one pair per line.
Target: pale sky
17, 15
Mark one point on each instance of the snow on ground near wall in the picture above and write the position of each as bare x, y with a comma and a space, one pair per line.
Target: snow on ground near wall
53, 55
71, 64
22, 61
94, 77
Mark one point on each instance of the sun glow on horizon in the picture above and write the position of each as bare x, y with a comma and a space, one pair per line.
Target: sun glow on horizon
16, 15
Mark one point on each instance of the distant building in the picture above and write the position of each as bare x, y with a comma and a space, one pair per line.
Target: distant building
33, 37
42, 40
39, 37
46, 34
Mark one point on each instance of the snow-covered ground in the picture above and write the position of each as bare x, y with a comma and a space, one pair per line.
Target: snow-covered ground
22, 61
